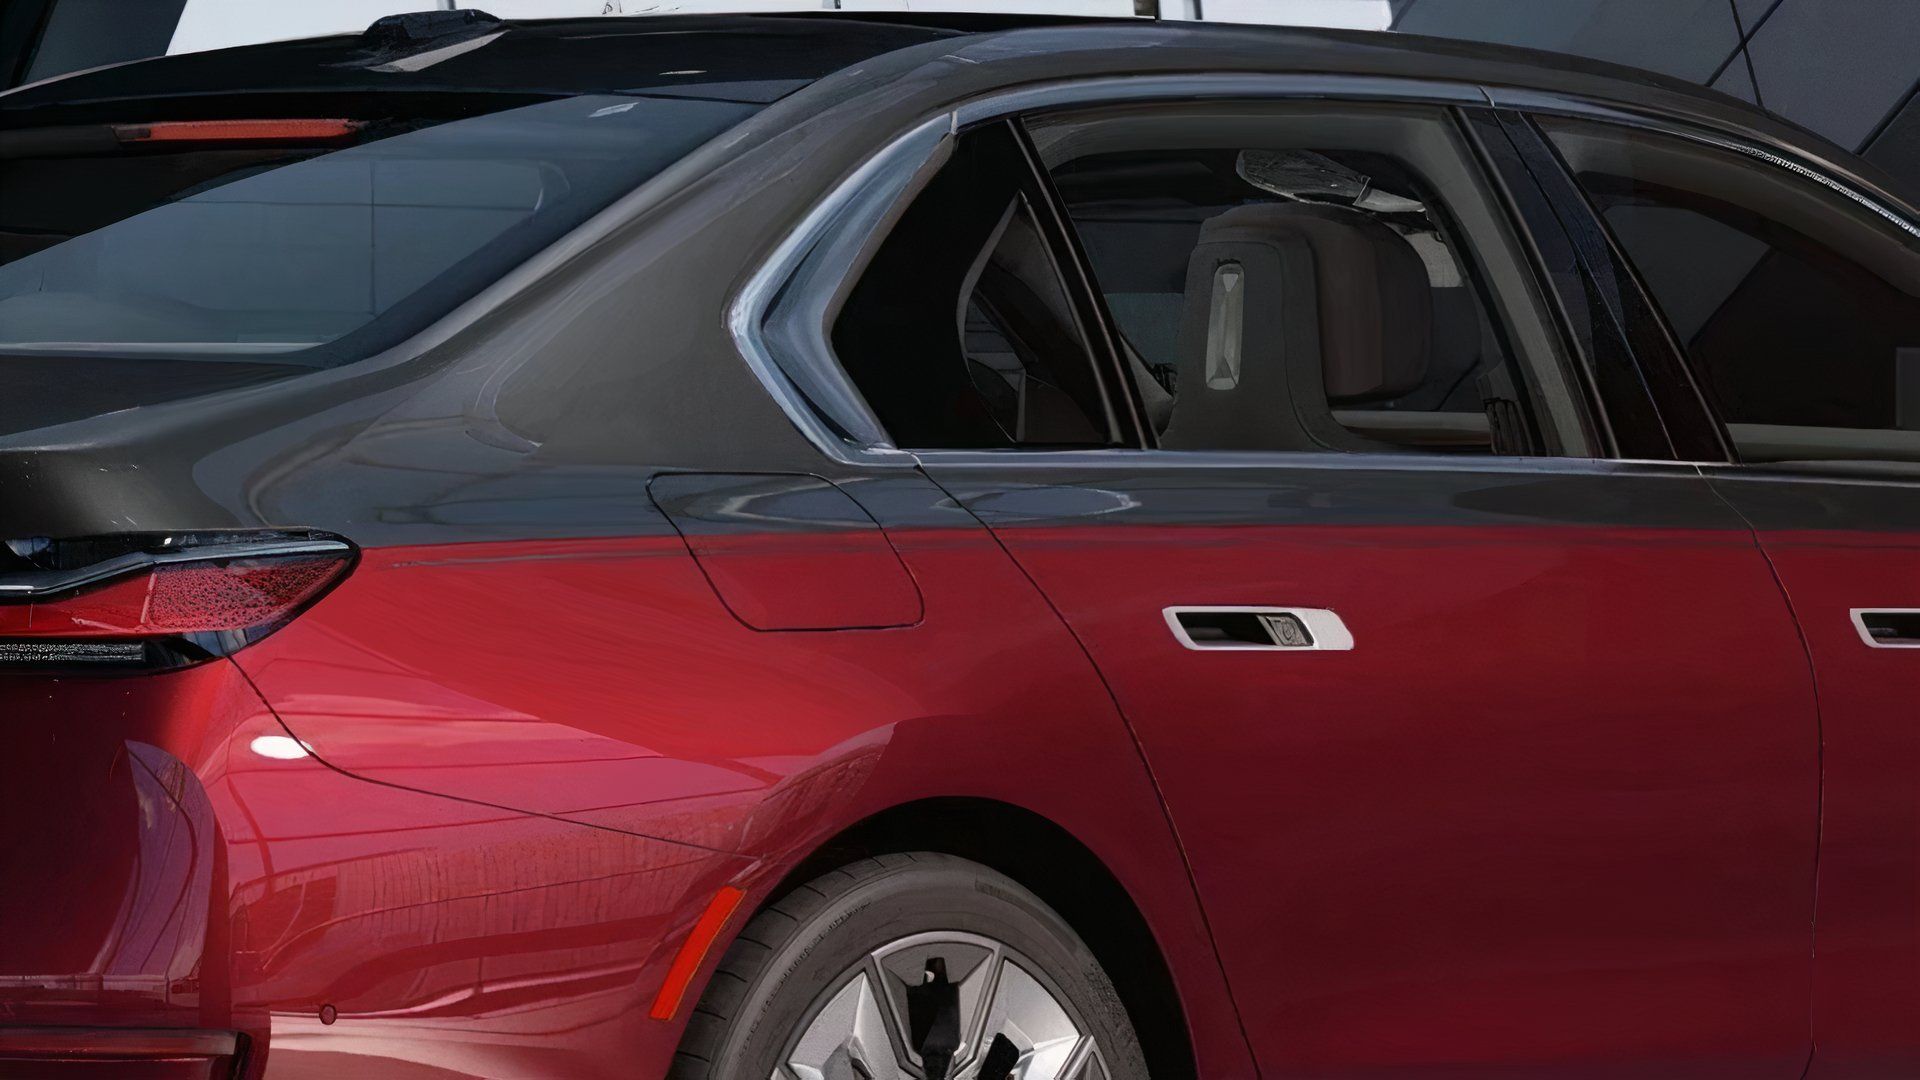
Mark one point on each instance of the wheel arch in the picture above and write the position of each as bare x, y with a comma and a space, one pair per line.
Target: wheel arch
1060, 870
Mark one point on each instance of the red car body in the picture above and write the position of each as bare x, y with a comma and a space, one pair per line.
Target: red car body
599, 664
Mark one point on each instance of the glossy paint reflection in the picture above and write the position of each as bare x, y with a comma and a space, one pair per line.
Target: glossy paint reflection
1531, 819
112, 857
441, 933
604, 682
260, 891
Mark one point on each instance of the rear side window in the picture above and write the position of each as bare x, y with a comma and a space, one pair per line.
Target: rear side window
1799, 308
1280, 277
310, 255
1311, 277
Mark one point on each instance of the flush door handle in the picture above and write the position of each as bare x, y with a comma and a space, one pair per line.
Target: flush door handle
1888, 628
1275, 629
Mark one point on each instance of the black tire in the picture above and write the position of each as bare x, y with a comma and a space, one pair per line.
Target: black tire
775, 971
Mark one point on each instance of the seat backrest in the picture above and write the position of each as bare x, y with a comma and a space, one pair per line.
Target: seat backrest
1292, 308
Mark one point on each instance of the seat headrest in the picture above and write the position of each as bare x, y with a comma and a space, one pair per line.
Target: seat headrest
1375, 302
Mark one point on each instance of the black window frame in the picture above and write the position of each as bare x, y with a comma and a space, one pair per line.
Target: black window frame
1587, 306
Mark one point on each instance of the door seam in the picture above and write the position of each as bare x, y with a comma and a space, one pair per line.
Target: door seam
1820, 760
1140, 751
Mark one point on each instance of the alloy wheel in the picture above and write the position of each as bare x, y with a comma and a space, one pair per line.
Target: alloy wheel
941, 1006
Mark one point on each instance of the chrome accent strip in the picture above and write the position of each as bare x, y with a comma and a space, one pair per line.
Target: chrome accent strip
41, 583
1300, 459
829, 237
1822, 179
1328, 630
858, 205
1859, 616
778, 320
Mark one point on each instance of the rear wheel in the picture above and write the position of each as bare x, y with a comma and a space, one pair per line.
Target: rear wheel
904, 967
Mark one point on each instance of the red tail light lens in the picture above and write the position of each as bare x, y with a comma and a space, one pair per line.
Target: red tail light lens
164, 608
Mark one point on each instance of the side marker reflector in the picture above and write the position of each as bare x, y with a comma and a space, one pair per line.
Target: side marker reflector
693, 952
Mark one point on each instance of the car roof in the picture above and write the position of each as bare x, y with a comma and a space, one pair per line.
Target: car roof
746, 57
650, 53
761, 58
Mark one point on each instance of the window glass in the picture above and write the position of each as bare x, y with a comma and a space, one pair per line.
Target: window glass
1310, 277
958, 333
1799, 308
278, 251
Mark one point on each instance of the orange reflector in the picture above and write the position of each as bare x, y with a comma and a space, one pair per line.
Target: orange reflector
236, 130
686, 963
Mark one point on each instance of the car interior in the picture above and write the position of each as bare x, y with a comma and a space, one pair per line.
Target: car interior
1280, 280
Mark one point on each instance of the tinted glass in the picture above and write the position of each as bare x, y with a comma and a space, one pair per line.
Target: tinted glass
1297, 277
1799, 307
959, 333
306, 255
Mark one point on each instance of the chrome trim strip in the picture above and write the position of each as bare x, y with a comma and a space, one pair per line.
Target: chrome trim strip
849, 212
41, 583
896, 163
1299, 459
1820, 178
1327, 630
829, 240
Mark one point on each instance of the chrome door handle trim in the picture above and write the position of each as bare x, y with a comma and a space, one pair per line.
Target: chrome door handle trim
1859, 616
1328, 632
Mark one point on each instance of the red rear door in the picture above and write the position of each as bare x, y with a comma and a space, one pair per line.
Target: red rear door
1552, 812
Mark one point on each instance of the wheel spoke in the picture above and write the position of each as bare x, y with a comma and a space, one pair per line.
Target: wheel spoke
847, 1039
867, 1027
1026, 1014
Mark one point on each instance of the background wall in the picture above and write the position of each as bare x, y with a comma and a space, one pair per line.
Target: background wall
1848, 69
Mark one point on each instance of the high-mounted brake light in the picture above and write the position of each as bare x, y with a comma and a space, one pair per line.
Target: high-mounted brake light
163, 604
296, 130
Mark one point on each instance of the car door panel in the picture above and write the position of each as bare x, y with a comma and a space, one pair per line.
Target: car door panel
1790, 290
1839, 545
1553, 814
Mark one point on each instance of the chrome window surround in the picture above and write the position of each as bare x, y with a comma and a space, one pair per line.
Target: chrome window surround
780, 318
788, 302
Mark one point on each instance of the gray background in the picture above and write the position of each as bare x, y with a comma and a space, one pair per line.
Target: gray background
1848, 69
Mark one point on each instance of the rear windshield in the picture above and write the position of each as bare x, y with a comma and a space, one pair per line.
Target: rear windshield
309, 255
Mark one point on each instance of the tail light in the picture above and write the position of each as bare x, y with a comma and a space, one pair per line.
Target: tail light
156, 602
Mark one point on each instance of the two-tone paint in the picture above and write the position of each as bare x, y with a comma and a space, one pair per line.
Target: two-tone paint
622, 634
